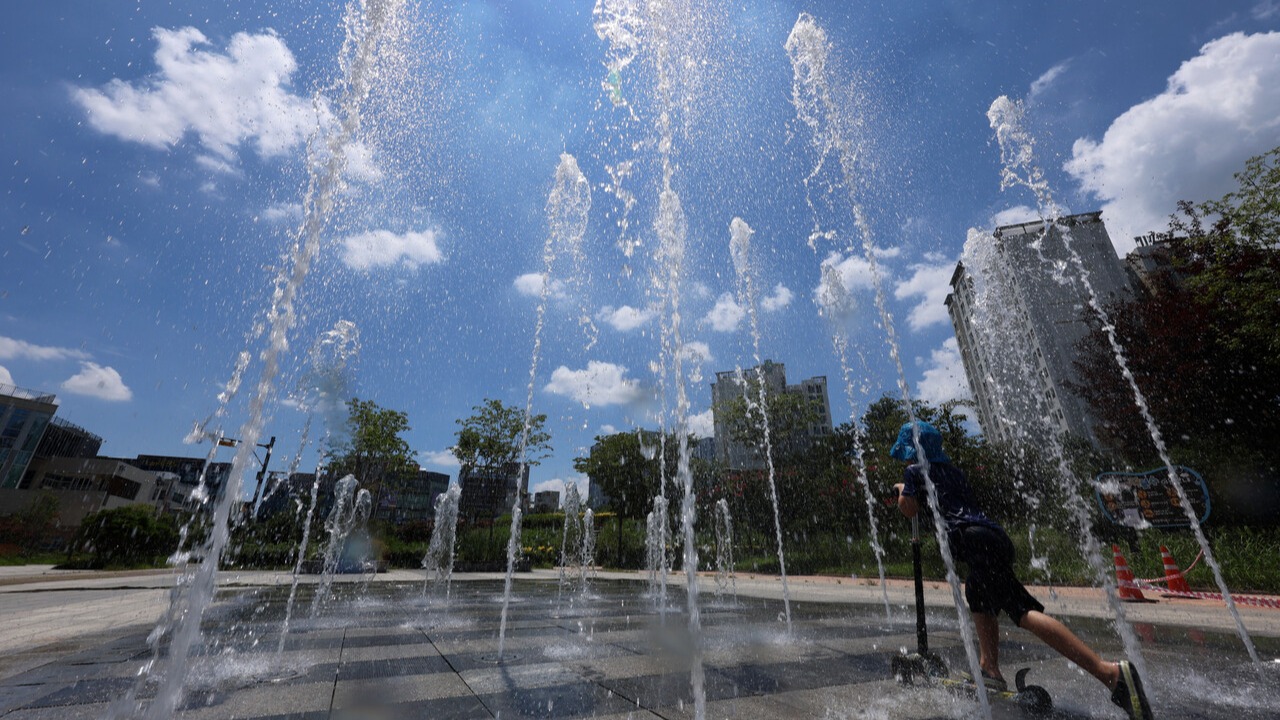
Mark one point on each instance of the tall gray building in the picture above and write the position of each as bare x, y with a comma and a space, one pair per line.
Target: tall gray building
1019, 306
728, 387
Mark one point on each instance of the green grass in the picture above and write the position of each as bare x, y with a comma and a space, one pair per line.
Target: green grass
33, 559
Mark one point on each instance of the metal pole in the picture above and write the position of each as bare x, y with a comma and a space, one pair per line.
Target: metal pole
922, 635
262, 474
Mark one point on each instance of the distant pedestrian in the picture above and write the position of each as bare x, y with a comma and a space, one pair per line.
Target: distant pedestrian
991, 586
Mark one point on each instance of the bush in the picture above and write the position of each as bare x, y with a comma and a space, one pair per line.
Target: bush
130, 535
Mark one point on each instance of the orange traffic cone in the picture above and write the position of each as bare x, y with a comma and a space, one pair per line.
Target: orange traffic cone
1172, 575
1125, 586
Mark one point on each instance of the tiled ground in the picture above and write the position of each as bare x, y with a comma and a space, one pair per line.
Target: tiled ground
393, 653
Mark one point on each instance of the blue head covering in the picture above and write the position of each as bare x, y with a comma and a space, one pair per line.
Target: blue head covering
930, 440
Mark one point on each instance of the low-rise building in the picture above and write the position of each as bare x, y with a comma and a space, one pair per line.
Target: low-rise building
546, 501
87, 485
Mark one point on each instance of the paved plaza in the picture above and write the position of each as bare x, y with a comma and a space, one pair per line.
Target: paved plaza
388, 651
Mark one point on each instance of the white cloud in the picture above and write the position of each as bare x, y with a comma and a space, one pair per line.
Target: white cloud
380, 248
696, 351
726, 315
1046, 80
440, 458
1219, 108
1265, 10
702, 425
841, 278
600, 383
608, 429
780, 298
530, 285
225, 99
558, 485
1015, 215
930, 283
12, 349
216, 165
97, 381
944, 377
5, 377
282, 212
699, 290
624, 318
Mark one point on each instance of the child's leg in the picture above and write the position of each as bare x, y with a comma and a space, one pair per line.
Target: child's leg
988, 626
1060, 638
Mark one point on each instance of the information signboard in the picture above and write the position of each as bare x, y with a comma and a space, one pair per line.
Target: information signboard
1149, 499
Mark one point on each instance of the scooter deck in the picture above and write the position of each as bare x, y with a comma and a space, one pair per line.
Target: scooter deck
1032, 698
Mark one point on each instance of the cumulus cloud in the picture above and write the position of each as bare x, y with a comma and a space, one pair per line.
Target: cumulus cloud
530, 285
13, 349
944, 377
1015, 215
780, 298
1219, 108
559, 484
930, 283
841, 278
5, 377
696, 351
215, 165
600, 383
624, 318
702, 425
282, 212
380, 248
726, 315
98, 381
224, 98
441, 458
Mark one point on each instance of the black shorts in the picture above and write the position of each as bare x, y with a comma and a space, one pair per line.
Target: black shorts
991, 585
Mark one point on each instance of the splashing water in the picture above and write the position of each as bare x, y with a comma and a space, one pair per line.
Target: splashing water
369, 27
740, 234
568, 209
571, 537
816, 107
341, 521
726, 580
836, 304
656, 538
323, 388
587, 560
444, 535
1018, 158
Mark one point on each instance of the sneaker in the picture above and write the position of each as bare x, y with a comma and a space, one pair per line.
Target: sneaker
1129, 694
991, 683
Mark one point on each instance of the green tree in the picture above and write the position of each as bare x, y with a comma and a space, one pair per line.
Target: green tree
34, 521
1203, 346
490, 438
374, 452
625, 467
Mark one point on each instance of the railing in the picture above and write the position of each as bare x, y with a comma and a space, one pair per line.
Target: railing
24, 394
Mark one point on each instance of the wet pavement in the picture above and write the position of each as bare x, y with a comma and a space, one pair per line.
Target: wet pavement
388, 651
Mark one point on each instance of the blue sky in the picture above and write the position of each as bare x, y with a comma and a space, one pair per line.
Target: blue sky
153, 166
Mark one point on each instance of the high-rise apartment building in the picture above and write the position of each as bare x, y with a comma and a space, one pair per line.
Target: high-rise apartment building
729, 387
1019, 305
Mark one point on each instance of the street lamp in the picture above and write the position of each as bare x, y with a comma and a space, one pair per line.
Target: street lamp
262, 462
